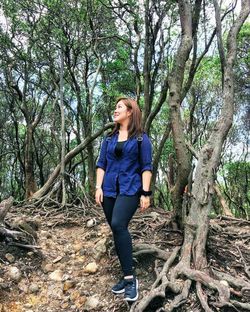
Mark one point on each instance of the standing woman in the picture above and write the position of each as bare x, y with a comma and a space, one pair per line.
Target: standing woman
124, 171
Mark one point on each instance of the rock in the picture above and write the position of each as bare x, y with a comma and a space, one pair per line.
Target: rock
65, 305
80, 302
57, 276
91, 268
14, 273
82, 252
59, 258
91, 303
30, 253
48, 267
67, 285
100, 246
91, 223
77, 247
10, 257
33, 288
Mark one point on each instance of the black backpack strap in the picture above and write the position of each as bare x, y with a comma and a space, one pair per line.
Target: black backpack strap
139, 141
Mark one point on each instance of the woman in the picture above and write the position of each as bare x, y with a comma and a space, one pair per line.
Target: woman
123, 176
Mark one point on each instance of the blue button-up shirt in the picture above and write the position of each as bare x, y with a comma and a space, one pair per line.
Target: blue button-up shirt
126, 170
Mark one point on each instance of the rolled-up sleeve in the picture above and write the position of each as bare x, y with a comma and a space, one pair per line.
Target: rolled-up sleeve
102, 161
146, 154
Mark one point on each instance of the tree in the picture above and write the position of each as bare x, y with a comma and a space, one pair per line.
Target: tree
192, 264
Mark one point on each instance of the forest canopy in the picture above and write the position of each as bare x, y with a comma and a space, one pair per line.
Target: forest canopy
107, 49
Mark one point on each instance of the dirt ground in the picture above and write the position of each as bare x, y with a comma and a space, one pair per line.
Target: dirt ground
76, 266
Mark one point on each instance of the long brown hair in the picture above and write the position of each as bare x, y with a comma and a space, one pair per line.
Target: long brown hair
135, 123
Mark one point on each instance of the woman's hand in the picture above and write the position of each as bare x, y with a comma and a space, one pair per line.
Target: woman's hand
99, 196
144, 202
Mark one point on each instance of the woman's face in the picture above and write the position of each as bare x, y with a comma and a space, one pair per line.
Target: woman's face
121, 112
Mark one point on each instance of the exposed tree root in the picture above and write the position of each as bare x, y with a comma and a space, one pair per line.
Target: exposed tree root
215, 289
202, 297
158, 290
150, 249
19, 233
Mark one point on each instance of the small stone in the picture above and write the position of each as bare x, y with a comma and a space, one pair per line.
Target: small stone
91, 223
77, 247
27, 305
30, 253
80, 302
48, 267
10, 257
91, 268
91, 303
100, 246
14, 273
67, 285
82, 252
57, 276
33, 288
65, 305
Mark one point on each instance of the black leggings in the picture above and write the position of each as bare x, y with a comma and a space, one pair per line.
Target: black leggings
118, 212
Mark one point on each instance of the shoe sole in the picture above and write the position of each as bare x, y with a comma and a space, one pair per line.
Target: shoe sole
135, 298
117, 292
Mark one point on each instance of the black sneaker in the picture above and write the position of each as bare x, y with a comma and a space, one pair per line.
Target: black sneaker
119, 288
131, 290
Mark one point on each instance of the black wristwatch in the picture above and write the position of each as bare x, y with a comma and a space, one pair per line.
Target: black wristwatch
146, 193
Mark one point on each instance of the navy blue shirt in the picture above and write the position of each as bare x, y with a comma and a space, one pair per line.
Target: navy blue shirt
127, 169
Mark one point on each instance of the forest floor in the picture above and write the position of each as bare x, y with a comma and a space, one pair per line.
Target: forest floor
76, 264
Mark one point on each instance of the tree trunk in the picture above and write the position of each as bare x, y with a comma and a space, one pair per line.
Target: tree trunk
63, 135
30, 183
68, 157
158, 155
175, 91
225, 209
